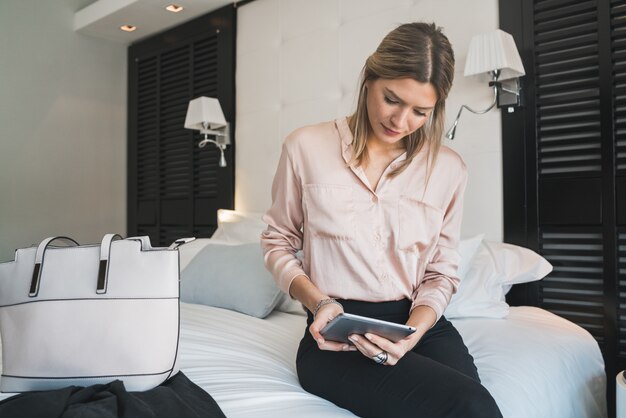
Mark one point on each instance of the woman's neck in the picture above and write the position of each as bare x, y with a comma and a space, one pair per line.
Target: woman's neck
375, 146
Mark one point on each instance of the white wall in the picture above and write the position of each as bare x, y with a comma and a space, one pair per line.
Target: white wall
63, 106
62, 127
298, 63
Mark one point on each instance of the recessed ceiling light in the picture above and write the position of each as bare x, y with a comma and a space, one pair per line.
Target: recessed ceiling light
128, 28
175, 8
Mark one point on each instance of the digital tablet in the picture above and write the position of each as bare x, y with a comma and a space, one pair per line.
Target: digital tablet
346, 324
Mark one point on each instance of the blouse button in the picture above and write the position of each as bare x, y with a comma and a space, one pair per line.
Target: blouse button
374, 199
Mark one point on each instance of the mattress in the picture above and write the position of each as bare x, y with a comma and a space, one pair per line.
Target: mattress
534, 363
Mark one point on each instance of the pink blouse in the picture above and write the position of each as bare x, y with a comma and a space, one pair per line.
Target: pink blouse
395, 242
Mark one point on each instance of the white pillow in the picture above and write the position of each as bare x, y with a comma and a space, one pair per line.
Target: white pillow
493, 270
231, 277
520, 264
467, 249
188, 251
292, 306
239, 227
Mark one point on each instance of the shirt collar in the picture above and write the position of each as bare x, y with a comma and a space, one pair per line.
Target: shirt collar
347, 139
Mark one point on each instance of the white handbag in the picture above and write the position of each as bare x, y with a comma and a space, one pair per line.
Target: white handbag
81, 315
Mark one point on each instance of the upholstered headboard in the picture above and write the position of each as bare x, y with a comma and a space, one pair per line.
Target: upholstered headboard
298, 63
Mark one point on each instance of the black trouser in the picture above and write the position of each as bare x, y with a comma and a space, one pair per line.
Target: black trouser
436, 379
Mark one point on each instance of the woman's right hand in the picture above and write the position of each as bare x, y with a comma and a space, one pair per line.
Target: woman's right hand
306, 292
324, 315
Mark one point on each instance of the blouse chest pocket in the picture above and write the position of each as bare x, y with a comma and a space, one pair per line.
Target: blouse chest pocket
419, 226
329, 211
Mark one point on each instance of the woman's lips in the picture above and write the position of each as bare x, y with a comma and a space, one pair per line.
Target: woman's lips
389, 131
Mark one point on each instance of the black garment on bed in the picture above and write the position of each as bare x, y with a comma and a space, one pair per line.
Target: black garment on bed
177, 397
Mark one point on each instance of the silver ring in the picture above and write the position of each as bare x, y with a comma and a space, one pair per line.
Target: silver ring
381, 357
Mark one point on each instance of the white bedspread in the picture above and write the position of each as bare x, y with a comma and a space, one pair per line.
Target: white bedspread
534, 363
248, 364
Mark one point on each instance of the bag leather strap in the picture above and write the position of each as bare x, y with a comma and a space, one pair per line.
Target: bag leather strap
145, 242
179, 242
39, 259
103, 269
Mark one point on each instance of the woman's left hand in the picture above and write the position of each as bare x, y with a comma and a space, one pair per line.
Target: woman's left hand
422, 319
371, 345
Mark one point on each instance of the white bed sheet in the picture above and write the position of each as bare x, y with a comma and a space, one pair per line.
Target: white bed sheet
535, 364
248, 364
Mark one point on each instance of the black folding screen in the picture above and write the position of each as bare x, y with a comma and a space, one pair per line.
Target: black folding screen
174, 187
565, 162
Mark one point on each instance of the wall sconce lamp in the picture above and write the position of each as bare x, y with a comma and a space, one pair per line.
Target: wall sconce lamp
494, 56
205, 114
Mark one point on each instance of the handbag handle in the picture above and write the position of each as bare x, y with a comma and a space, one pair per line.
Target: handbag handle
39, 258
145, 242
103, 269
181, 241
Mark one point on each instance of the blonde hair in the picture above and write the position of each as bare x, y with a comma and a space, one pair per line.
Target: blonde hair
414, 50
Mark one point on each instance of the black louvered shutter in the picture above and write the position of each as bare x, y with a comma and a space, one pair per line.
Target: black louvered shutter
569, 160
618, 56
209, 180
146, 156
621, 291
577, 104
175, 188
573, 138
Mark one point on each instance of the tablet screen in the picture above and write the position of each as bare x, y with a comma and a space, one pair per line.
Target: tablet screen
347, 324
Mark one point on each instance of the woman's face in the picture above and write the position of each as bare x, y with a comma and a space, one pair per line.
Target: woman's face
398, 107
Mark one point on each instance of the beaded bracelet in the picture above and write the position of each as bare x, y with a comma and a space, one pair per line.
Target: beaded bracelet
325, 302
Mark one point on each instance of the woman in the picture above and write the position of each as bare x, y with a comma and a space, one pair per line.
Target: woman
375, 203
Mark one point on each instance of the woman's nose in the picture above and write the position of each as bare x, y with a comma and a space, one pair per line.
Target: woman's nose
399, 119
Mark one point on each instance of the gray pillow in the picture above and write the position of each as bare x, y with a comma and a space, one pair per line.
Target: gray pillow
231, 277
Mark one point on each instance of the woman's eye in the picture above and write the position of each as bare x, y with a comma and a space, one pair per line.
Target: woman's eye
420, 114
390, 101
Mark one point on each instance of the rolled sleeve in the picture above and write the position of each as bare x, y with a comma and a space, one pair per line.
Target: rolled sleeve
440, 279
283, 237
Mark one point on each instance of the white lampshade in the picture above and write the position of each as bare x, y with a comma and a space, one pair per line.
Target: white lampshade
205, 110
494, 51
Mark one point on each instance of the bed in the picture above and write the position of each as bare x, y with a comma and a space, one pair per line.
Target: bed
534, 363
241, 350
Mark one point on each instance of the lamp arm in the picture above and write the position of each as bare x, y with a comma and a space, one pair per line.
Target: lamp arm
452, 130
481, 112
221, 147
205, 141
